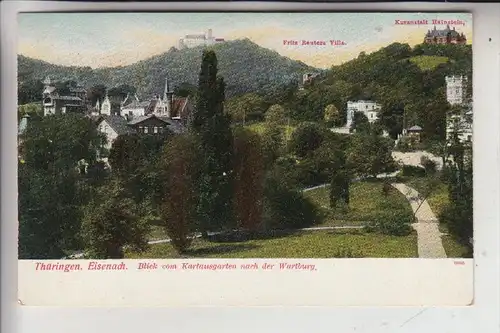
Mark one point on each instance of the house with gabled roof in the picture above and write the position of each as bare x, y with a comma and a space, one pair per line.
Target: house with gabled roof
112, 126
55, 103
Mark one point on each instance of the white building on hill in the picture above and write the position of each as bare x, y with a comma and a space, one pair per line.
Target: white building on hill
456, 87
369, 108
459, 122
205, 39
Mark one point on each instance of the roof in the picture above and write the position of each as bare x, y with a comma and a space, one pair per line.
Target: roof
137, 105
77, 89
68, 98
49, 90
172, 124
442, 33
195, 36
117, 123
415, 128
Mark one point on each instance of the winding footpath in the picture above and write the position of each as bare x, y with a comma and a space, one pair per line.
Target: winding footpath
427, 225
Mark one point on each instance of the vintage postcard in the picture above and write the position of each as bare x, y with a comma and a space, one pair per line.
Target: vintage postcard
194, 159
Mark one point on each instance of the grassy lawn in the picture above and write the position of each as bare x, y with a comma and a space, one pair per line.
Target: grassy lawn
319, 244
437, 199
426, 63
366, 203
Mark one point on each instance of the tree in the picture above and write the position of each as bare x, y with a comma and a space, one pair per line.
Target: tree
127, 155
273, 144
51, 190
185, 89
110, 223
306, 138
392, 115
58, 142
122, 91
248, 180
458, 214
33, 110
29, 91
360, 123
286, 207
276, 115
96, 93
49, 214
370, 155
247, 107
212, 127
332, 115
178, 168
339, 188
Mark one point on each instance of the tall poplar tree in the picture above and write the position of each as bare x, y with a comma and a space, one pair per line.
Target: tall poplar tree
212, 125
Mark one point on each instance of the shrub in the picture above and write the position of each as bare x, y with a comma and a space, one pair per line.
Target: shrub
394, 223
411, 170
287, 208
428, 164
386, 188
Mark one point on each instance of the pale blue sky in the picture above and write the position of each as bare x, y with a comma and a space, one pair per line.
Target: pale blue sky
109, 39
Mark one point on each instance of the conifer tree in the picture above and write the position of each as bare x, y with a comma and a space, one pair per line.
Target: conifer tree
212, 126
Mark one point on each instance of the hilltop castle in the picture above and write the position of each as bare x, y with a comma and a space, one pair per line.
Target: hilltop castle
206, 39
444, 36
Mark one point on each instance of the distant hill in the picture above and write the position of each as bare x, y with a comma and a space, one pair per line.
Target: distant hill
246, 67
408, 82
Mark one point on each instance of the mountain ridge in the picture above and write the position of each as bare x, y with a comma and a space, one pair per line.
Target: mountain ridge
245, 66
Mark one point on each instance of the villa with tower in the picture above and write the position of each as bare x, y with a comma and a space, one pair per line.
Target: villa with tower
444, 36
56, 102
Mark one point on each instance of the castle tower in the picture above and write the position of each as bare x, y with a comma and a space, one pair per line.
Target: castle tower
456, 87
168, 99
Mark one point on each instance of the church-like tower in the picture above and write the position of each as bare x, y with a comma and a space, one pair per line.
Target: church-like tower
106, 105
456, 87
168, 98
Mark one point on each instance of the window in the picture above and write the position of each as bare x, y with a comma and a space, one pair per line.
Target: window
160, 129
155, 130
141, 129
145, 129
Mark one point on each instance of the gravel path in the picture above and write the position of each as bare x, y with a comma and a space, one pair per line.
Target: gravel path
414, 158
427, 225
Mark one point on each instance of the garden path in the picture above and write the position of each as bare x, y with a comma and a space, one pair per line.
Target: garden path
427, 225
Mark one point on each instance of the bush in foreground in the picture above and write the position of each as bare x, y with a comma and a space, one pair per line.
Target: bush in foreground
392, 223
